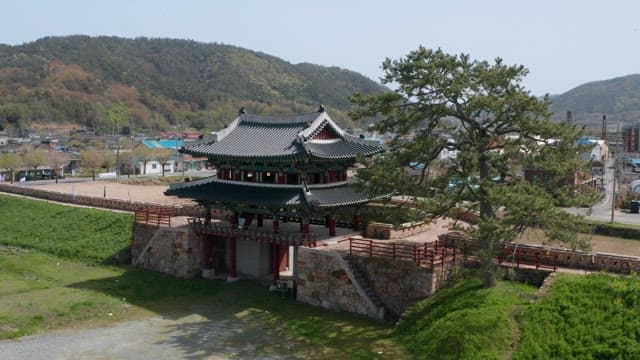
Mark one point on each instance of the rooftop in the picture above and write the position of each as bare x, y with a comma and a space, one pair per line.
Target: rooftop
295, 136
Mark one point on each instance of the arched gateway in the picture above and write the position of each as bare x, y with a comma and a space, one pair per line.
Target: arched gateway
274, 168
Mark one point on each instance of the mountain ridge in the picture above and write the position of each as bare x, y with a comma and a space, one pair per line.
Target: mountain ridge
617, 98
154, 84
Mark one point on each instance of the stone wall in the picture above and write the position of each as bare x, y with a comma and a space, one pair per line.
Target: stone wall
325, 280
376, 230
398, 284
107, 203
173, 251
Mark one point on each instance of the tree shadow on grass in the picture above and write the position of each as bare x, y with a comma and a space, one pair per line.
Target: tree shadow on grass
244, 320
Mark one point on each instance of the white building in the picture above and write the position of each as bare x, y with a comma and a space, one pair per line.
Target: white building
154, 167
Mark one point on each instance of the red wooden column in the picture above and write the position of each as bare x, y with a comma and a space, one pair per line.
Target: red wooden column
276, 223
232, 259
332, 226
207, 215
356, 220
208, 252
260, 220
275, 261
304, 225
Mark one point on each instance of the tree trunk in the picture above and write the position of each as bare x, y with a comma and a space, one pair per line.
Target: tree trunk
486, 229
93, 173
11, 173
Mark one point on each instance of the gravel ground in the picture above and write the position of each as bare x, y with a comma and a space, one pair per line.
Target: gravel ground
114, 190
190, 337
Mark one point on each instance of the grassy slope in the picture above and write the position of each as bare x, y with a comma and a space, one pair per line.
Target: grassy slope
465, 321
40, 292
593, 317
67, 231
582, 317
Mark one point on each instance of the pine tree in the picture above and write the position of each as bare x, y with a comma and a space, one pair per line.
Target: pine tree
497, 129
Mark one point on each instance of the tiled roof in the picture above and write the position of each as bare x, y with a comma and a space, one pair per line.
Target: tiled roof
264, 137
257, 194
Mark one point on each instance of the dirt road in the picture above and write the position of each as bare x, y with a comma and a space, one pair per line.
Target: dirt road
191, 337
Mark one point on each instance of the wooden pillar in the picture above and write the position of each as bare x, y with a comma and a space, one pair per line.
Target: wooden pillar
260, 220
232, 258
332, 226
327, 221
207, 215
208, 252
356, 220
275, 262
304, 225
276, 223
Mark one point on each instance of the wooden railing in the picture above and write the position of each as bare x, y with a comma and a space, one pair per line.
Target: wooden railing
155, 215
201, 227
439, 252
425, 254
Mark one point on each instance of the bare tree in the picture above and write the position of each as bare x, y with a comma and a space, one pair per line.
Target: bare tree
142, 154
11, 162
91, 159
164, 157
34, 159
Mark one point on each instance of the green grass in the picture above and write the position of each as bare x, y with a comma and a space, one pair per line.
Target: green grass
592, 317
51, 277
42, 292
465, 321
66, 231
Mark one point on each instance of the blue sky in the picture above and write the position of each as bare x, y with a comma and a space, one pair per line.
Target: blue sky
563, 43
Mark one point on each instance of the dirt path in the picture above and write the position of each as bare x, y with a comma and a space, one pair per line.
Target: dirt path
189, 337
114, 190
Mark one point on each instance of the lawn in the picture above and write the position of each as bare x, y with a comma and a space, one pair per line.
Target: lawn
68, 231
465, 321
584, 317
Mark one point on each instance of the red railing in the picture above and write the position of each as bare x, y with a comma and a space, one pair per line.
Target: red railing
155, 215
437, 252
201, 227
425, 254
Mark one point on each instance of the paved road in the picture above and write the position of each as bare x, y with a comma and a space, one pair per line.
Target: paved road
602, 210
190, 337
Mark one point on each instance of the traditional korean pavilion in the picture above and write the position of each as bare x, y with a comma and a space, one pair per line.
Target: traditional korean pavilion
279, 168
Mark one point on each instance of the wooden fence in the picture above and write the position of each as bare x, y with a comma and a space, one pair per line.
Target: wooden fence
441, 252
155, 215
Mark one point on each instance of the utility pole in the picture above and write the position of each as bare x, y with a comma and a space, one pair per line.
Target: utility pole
614, 178
118, 150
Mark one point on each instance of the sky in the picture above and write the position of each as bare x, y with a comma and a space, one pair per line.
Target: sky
564, 43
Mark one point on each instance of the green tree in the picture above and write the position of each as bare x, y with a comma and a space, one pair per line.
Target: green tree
92, 159
164, 157
482, 111
34, 159
11, 162
142, 154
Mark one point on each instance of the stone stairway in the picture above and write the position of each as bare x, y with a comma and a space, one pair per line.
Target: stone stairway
362, 279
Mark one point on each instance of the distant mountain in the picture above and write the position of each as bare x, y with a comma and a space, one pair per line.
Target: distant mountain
618, 98
153, 84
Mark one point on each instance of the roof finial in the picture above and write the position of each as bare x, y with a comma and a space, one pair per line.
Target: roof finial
321, 108
242, 111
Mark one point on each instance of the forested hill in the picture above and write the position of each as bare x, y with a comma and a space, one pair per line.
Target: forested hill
152, 84
618, 98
